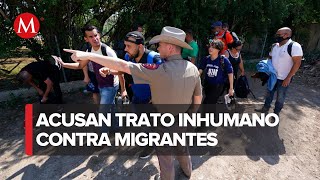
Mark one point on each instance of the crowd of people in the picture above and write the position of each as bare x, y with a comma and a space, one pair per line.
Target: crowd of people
168, 76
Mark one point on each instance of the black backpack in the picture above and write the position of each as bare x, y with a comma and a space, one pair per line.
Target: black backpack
242, 88
290, 50
234, 36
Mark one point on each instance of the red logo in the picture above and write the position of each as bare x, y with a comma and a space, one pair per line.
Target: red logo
26, 25
151, 66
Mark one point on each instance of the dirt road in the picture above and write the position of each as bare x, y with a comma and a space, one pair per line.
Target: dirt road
297, 137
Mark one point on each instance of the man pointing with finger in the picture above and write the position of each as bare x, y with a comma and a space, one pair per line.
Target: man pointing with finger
176, 81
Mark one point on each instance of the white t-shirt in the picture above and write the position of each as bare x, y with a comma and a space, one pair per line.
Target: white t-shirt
281, 60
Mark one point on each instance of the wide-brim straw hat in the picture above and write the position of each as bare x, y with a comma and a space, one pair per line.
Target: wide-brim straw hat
171, 35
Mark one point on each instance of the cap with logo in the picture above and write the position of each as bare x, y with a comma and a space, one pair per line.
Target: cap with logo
135, 37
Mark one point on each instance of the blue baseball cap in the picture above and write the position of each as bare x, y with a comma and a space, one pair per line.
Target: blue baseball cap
215, 24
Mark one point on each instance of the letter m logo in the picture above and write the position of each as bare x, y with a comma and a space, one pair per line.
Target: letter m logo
21, 24
26, 25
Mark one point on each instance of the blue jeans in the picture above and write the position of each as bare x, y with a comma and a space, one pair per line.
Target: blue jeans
107, 96
281, 95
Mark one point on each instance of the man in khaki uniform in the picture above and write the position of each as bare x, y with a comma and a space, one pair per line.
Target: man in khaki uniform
174, 82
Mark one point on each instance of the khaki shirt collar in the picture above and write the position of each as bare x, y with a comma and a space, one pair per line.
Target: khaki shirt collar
174, 57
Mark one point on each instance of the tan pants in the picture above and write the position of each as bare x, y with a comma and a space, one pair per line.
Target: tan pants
166, 156
167, 170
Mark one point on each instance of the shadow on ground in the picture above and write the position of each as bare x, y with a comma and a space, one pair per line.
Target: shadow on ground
70, 167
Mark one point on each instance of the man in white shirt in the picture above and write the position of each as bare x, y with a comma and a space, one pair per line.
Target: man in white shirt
286, 65
108, 85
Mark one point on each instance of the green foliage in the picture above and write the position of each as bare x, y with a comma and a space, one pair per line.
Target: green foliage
9, 40
63, 19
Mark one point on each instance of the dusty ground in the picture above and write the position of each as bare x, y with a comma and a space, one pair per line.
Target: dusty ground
299, 129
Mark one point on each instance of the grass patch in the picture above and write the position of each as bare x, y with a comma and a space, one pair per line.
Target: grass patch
9, 69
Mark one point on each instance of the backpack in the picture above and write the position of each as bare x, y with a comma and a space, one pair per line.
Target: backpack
221, 62
150, 57
128, 78
289, 49
242, 88
233, 34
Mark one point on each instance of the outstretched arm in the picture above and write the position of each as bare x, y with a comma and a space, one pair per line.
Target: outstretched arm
77, 65
110, 62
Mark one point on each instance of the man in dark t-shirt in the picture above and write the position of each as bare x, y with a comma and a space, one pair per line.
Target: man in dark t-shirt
141, 93
136, 52
44, 77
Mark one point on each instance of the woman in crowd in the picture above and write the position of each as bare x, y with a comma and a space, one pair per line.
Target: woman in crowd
234, 56
217, 69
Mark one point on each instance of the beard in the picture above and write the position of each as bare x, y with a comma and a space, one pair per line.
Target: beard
135, 54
